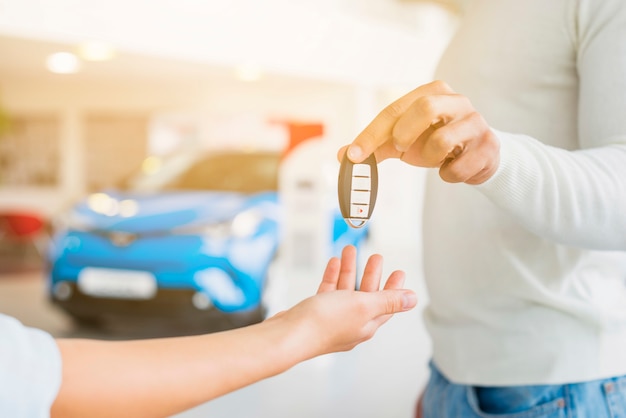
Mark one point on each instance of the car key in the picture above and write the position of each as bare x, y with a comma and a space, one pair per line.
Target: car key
357, 189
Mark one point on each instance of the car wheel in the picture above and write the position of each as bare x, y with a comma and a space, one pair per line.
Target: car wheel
87, 322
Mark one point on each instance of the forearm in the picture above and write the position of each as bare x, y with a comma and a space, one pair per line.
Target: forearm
161, 377
574, 198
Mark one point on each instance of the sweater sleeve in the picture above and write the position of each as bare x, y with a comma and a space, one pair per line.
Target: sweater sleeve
30, 370
577, 197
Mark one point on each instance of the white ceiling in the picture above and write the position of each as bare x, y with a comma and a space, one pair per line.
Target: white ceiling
375, 42
25, 57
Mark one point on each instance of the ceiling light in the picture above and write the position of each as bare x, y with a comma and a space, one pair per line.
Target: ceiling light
96, 51
63, 63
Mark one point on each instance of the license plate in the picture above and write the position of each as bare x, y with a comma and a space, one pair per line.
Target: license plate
118, 284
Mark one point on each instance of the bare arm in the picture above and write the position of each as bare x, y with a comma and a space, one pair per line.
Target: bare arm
161, 377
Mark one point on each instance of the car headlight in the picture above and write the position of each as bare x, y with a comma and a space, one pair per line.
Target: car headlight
243, 225
246, 223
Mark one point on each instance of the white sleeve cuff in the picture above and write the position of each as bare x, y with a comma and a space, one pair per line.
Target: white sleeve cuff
30, 362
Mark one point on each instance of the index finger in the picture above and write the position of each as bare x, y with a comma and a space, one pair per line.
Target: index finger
371, 275
380, 129
331, 276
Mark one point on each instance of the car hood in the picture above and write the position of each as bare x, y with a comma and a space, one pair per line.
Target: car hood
142, 213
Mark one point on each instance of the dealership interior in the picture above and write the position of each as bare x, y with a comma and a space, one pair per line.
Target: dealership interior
106, 107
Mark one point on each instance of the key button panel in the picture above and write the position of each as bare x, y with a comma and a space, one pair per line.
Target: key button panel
360, 197
361, 183
357, 190
361, 170
359, 211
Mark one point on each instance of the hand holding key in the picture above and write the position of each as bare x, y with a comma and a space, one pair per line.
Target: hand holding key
432, 126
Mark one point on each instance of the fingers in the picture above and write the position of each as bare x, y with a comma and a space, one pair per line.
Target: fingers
340, 274
426, 132
370, 281
379, 131
395, 280
385, 151
427, 111
331, 276
479, 157
408, 299
341, 152
432, 126
395, 300
347, 271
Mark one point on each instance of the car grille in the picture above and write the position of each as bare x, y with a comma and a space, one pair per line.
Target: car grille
105, 249
151, 265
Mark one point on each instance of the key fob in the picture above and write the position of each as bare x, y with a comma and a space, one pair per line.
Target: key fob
357, 189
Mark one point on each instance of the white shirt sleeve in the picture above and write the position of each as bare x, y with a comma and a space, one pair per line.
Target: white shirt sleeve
577, 198
30, 370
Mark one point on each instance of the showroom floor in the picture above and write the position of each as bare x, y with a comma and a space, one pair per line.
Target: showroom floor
380, 378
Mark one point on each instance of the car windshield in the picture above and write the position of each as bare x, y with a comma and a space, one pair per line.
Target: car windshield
239, 172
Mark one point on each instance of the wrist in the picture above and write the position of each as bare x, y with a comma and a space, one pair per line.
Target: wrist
293, 338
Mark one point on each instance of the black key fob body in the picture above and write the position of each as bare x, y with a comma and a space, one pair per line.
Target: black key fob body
357, 188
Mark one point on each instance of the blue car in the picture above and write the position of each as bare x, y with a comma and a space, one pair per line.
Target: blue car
188, 240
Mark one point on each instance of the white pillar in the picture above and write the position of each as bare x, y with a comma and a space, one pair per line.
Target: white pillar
72, 169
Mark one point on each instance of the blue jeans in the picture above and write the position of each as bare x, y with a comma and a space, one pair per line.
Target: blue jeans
604, 398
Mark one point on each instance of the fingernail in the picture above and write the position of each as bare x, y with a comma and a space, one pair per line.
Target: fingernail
354, 152
409, 300
400, 148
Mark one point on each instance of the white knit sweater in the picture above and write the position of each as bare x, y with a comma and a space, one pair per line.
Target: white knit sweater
526, 272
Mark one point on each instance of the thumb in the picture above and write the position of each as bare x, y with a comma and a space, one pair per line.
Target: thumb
396, 300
